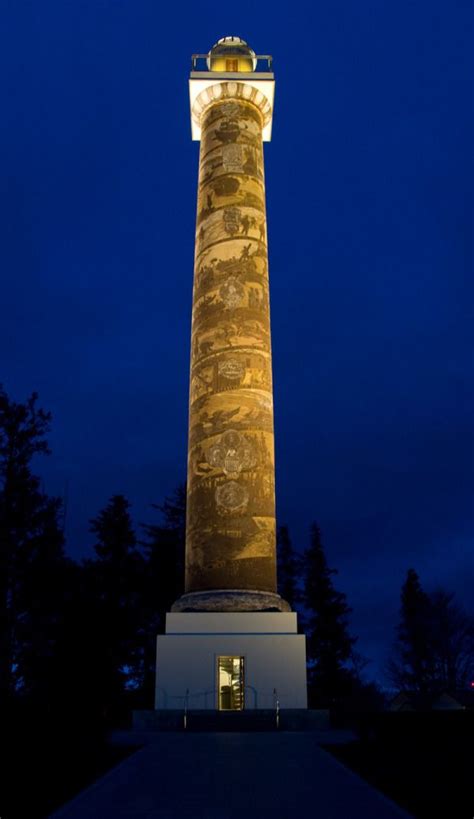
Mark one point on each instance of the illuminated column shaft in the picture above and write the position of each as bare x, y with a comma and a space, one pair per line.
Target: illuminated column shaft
230, 538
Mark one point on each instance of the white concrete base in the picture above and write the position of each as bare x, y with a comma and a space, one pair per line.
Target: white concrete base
274, 657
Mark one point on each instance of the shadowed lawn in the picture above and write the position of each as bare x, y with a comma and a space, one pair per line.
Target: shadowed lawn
423, 761
46, 765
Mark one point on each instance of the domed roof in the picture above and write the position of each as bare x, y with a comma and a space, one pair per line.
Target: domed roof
228, 47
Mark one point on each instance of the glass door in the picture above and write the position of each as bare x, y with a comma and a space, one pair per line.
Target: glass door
230, 683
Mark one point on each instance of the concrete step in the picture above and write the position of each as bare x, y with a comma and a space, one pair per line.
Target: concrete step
231, 721
295, 719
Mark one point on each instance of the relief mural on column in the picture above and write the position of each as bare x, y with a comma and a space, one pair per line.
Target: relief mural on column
231, 494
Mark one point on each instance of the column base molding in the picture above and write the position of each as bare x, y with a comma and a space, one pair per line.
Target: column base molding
230, 600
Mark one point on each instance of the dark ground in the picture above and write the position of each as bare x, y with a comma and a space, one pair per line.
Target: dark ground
47, 762
423, 761
230, 775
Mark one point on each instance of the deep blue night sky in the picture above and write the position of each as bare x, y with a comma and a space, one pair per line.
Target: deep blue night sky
369, 184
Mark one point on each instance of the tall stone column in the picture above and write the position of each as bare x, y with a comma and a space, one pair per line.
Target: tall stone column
230, 534
231, 642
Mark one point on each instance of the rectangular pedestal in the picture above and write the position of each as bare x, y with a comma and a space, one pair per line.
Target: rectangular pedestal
273, 659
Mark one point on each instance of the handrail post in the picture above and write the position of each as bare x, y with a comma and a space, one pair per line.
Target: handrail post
185, 718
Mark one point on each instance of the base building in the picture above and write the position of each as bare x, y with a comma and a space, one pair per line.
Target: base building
231, 642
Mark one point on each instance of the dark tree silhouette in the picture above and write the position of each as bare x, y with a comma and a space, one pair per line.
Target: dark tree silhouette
116, 578
83, 671
329, 643
434, 648
39, 605
31, 552
288, 568
453, 642
164, 547
411, 666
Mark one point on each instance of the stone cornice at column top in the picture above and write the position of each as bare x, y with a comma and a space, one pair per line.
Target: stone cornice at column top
233, 90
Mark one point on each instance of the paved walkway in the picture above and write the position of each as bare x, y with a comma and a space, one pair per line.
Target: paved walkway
231, 776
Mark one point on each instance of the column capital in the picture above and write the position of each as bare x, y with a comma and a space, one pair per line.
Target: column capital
203, 92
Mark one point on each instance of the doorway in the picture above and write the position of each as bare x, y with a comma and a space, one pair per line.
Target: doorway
230, 683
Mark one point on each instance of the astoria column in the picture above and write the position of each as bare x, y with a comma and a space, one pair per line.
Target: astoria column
230, 528
231, 642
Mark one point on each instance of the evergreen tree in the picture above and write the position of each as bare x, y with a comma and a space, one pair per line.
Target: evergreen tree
412, 665
113, 528
164, 547
453, 642
116, 578
40, 592
83, 673
329, 643
434, 648
288, 568
31, 552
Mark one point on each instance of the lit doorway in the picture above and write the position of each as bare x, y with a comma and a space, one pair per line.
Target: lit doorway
230, 683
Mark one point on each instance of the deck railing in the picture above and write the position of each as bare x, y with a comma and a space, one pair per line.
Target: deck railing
198, 59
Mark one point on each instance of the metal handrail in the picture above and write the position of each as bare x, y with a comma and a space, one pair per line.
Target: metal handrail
183, 701
267, 57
